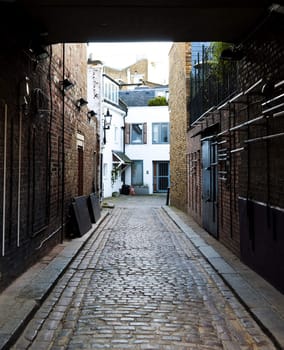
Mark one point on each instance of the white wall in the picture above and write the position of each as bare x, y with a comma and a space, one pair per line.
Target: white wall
114, 135
114, 142
147, 152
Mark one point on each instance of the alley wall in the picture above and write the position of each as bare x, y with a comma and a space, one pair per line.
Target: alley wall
41, 132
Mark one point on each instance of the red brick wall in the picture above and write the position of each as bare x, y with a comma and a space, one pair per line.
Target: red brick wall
262, 179
257, 171
41, 174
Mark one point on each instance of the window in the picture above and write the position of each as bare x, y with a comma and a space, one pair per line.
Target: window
160, 133
111, 90
136, 133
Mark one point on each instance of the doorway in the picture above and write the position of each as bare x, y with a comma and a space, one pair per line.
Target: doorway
137, 172
209, 185
161, 176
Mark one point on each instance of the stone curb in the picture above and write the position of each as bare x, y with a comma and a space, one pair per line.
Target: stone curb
264, 313
18, 305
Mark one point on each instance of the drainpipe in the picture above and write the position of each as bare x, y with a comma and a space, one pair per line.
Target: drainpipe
124, 105
4, 178
63, 147
123, 136
19, 178
24, 93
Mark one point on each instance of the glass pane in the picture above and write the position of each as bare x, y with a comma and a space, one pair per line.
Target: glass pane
163, 183
163, 169
137, 133
155, 132
164, 133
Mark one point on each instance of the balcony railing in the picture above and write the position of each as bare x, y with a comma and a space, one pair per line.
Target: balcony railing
212, 81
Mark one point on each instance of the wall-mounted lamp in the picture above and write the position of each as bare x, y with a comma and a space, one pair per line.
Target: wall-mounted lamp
66, 84
232, 54
92, 114
39, 52
107, 123
81, 102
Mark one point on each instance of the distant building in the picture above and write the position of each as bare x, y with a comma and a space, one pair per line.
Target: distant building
142, 72
147, 141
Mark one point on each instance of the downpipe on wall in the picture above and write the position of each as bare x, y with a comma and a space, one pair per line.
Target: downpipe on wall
63, 149
4, 176
24, 98
19, 178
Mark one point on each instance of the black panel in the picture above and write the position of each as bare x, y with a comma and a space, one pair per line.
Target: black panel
81, 215
94, 207
262, 240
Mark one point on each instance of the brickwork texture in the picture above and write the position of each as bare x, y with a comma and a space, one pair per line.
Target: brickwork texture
39, 152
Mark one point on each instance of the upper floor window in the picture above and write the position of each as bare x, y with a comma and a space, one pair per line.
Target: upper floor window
136, 133
111, 90
160, 133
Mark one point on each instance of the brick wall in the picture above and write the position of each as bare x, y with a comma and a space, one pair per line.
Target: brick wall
255, 171
37, 131
179, 85
262, 168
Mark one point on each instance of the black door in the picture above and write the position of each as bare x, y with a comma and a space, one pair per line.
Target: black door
209, 186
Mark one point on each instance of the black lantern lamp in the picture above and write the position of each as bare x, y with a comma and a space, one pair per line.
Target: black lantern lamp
107, 120
107, 123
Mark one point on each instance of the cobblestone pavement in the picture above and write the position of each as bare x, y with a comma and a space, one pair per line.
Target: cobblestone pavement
139, 283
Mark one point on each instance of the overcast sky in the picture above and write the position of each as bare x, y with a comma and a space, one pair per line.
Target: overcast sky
121, 55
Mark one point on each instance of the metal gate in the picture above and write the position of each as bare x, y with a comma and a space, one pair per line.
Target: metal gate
209, 185
161, 176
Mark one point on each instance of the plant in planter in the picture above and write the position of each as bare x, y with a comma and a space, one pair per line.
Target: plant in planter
158, 101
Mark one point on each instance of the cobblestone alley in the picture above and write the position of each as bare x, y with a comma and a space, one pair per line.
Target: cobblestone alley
139, 283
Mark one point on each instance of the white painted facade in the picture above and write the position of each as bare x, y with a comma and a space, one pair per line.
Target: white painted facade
114, 142
149, 152
103, 96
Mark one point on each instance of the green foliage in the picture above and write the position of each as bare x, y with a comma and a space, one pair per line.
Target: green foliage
217, 47
158, 101
219, 67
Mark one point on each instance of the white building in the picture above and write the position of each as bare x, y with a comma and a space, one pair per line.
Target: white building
147, 141
103, 99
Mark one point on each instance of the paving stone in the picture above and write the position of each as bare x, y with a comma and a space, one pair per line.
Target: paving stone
141, 284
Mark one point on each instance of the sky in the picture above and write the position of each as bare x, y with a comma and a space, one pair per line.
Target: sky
121, 55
